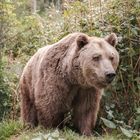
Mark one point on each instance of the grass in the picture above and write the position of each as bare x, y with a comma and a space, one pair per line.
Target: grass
8, 128
13, 130
67, 134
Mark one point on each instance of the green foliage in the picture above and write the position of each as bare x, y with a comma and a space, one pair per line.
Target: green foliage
4, 93
66, 134
124, 22
9, 128
121, 17
22, 33
112, 122
109, 123
126, 132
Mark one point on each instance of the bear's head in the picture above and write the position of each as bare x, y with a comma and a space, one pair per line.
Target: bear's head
96, 60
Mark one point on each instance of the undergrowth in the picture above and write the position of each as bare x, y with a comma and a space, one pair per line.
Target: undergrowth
22, 33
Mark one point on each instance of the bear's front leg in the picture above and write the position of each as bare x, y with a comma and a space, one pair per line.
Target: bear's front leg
86, 105
49, 110
50, 99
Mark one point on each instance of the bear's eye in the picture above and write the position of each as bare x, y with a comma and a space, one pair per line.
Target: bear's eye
97, 58
111, 58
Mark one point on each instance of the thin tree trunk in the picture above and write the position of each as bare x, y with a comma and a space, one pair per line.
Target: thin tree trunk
33, 6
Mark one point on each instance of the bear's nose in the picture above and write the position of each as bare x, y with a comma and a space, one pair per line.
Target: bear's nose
110, 77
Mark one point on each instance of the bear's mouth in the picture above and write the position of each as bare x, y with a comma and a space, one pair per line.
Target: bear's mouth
98, 83
102, 84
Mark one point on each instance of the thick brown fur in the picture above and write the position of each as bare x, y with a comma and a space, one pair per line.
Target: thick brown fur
67, 75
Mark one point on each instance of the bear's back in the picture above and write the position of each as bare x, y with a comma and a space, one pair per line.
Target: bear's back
47, 58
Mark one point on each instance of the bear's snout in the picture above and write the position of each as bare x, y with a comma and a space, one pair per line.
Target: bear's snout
110, 76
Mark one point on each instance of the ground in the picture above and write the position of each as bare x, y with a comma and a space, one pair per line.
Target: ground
13, 130
67, 134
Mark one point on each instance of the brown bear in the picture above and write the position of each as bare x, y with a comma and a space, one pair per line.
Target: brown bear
68, 75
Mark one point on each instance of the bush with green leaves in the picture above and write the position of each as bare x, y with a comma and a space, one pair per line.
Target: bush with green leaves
4, 93
20, 35
24, 33
122, 17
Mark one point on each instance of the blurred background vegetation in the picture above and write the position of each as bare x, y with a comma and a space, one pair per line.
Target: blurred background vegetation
27, 25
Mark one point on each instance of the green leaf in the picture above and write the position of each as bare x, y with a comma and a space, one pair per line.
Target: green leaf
108, 123
126, 132
112, 105
138, 110
110, 114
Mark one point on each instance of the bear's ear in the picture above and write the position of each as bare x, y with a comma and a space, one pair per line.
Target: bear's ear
82, 40
112, 39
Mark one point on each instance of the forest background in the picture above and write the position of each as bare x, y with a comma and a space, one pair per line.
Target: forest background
26, 25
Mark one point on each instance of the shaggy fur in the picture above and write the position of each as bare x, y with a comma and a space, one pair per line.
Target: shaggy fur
70, 74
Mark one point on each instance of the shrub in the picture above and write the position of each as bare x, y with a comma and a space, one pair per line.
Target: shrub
25, 33
4, 93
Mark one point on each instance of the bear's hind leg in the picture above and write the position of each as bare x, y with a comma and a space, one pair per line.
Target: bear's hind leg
28, 110
50, 121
